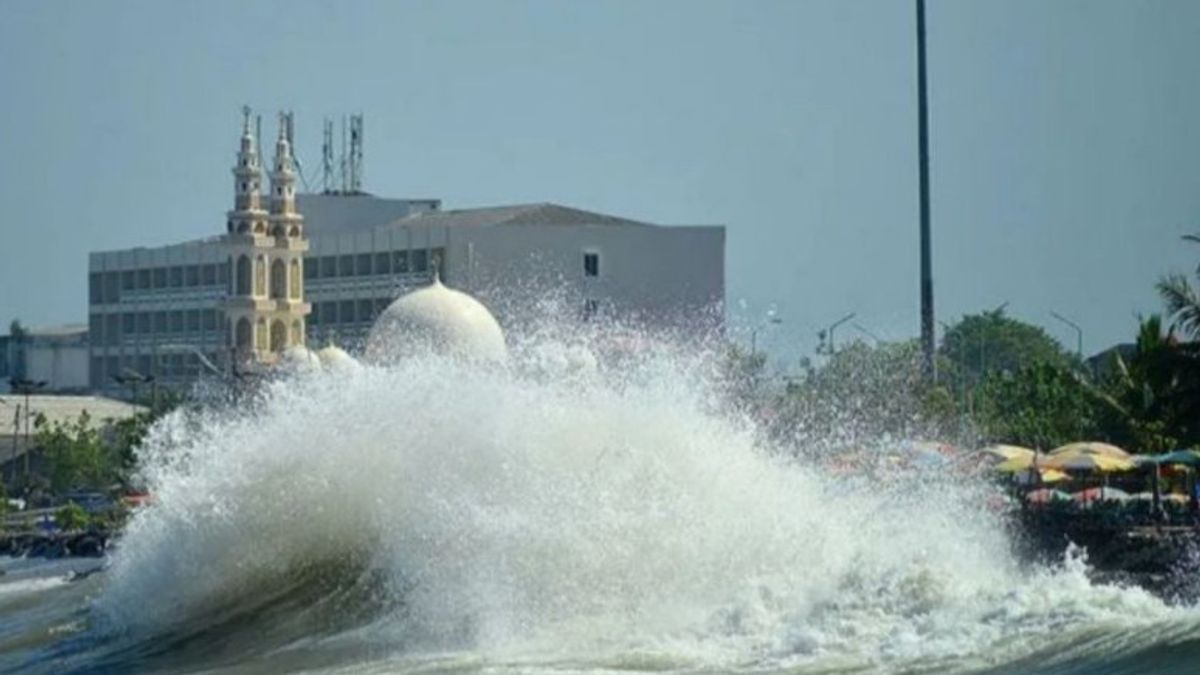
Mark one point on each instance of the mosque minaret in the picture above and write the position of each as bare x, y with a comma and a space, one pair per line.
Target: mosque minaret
264, 308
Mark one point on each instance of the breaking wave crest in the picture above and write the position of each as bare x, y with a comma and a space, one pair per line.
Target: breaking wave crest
551, 513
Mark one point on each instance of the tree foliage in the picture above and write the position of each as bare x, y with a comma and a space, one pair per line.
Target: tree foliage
76, 456
993, 342
1182, 300
1042, 406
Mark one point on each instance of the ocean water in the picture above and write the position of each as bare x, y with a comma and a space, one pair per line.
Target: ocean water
436, 516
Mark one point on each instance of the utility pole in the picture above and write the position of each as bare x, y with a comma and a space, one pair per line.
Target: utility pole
927, 337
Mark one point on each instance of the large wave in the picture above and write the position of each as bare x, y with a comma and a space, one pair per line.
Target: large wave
552, 512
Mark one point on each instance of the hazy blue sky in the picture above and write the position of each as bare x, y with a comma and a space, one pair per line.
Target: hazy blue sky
1065, 137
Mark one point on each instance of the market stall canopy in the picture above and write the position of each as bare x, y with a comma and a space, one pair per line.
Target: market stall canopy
1090, 448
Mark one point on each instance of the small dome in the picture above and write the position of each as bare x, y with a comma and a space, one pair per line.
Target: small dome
336, 358
437, 319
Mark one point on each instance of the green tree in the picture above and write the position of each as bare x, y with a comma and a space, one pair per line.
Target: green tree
1150, 401
1039, 406
862, 393
992, 342
71, 516
75, 454
1182, 300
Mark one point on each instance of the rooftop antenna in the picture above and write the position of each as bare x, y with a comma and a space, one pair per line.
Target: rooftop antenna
356, 153
345, 181
327, 157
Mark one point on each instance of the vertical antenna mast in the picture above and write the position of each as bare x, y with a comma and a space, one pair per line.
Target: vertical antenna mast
342, 157
327, 157
356, 153
258, 139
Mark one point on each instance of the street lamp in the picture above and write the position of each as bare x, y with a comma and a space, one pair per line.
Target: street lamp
133, 378
1078, 332
772, 320
26, 386
858, 327
827, 334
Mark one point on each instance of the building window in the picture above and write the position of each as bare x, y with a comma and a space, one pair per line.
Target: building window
419, 260
400, 262
591, 264
329, 312
112, 329
346, 266
160, 322
210, 319
260, 276
209, 275
112, 287
383, 263
129, 322
366, 310
177, 321
95, 290
294, 275
243, 276
346, 311
96, 329
328, 267
143, 279
311, 268
363, 265
176, 277
160, 277
128, 280
314, 317
192, 275
143, 321
193, 320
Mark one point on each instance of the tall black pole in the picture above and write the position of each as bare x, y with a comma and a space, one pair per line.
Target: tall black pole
927, 337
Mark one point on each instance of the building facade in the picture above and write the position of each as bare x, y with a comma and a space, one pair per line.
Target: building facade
318, 268
54, 356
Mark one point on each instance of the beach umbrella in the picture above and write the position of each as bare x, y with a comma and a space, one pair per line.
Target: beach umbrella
1100, 494
1021, 463
1003, 453
1177, 497
1084, 462
1178, 457
1090, 448
1046, 495
1027, 477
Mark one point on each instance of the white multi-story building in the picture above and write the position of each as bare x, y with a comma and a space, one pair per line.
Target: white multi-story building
320, 267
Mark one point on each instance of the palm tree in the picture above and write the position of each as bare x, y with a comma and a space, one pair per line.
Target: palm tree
1182, 299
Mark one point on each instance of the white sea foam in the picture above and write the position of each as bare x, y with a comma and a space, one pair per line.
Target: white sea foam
592, 517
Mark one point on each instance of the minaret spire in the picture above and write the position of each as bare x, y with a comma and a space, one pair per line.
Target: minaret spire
247, 214
285, 221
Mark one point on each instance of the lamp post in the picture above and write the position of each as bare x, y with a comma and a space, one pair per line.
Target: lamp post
1078, 332
26, 387
858, 327
133, 378
827, 334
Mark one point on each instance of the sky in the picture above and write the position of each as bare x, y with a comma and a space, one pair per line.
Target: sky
1065, 139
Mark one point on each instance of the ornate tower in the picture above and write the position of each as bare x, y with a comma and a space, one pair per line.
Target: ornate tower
264, 306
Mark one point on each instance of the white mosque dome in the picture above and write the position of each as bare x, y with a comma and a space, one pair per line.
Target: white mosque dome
333, 357
440, 320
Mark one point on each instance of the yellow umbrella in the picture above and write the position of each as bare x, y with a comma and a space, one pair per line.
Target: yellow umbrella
1003, 453
1021, 463
1044, 476
1090, 448
1086, 462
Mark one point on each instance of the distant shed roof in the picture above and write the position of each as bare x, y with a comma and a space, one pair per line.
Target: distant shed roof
64, 409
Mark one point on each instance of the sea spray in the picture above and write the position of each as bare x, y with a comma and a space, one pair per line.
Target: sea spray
551, 511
